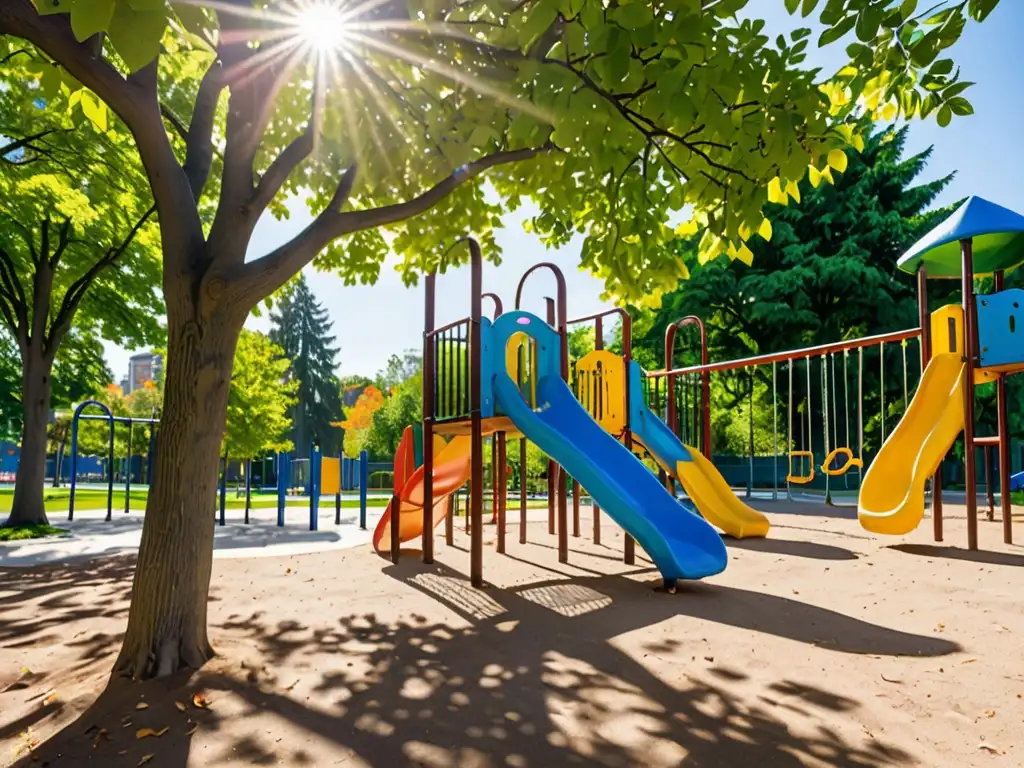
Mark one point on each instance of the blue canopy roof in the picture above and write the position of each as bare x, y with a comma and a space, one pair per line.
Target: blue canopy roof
997, 234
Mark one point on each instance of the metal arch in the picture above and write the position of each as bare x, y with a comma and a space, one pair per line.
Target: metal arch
74, 454
561, 300
705, 378
498, 307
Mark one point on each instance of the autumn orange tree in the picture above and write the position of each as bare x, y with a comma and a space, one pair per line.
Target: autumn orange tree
610, 117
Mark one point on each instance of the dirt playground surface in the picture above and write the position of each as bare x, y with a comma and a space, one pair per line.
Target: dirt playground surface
820, 646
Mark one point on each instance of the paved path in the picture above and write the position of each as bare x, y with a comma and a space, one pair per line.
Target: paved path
92, 536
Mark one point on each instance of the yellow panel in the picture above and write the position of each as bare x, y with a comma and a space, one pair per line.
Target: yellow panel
330, 476
601, 388
948, 336
948, 330
516, 342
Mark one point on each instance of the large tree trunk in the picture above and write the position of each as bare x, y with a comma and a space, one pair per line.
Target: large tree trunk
27, 507
167, 621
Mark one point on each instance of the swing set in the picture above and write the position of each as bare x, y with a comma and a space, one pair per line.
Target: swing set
832, 403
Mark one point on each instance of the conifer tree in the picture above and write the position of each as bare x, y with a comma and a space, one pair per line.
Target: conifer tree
828, 271
302, 329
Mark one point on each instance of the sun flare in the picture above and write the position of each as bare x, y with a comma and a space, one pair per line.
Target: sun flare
322, 25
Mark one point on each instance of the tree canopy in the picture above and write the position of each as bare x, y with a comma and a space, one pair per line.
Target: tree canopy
260, 400
680, 105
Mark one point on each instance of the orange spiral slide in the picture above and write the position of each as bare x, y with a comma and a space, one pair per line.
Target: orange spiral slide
451, 472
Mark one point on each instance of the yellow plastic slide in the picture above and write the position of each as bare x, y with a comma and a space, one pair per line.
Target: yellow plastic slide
715, 499
892, 494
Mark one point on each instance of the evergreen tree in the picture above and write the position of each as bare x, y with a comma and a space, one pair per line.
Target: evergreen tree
828, 271
302, 329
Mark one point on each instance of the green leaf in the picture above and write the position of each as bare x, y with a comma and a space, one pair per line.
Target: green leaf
136, 35
980, 9
633, 16
539, 17
91, 16
956, 89
192, 17
52, 7
944, 116
960, 106
867, 24
832, 34
941, 67
792, 5
808, 8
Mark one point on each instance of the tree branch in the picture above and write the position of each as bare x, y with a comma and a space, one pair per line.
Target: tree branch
265, 275
199, 139
73, 295
15, 297
290, 158
133, 99
26, 142
62, 243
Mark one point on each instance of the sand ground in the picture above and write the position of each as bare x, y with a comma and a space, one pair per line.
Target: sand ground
821, 645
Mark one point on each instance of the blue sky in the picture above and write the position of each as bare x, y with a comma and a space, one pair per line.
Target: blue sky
372, 322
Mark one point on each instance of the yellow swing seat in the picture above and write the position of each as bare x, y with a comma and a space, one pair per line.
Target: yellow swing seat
801, 479
851, 461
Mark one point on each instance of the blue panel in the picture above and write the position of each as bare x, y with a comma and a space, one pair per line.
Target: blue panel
488, 360
680, 543
1000, 333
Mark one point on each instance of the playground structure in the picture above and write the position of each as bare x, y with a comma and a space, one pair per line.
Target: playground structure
975, 342
112, 420
328, 475
510, 377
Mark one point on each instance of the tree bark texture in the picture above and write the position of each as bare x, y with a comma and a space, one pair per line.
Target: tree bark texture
167, 621
27, 507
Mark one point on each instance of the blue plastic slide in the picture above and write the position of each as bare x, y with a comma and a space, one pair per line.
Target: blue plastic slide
681, 544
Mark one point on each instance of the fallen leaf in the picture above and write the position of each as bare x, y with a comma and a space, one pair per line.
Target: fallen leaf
892, 680
968, 661
288, 570
192, 730
144, 732
200, 701
180, 707
990, 713
145, 759
123, 752
940, 627
990, 748
49, 696
142, 705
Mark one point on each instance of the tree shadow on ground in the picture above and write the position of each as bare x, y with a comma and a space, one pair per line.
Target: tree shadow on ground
792, 548
518, 677
955, 553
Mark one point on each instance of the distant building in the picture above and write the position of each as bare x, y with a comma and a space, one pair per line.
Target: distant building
124, 384
143, 367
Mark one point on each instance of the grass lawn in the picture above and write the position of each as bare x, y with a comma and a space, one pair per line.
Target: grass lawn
30, 532
56, 500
